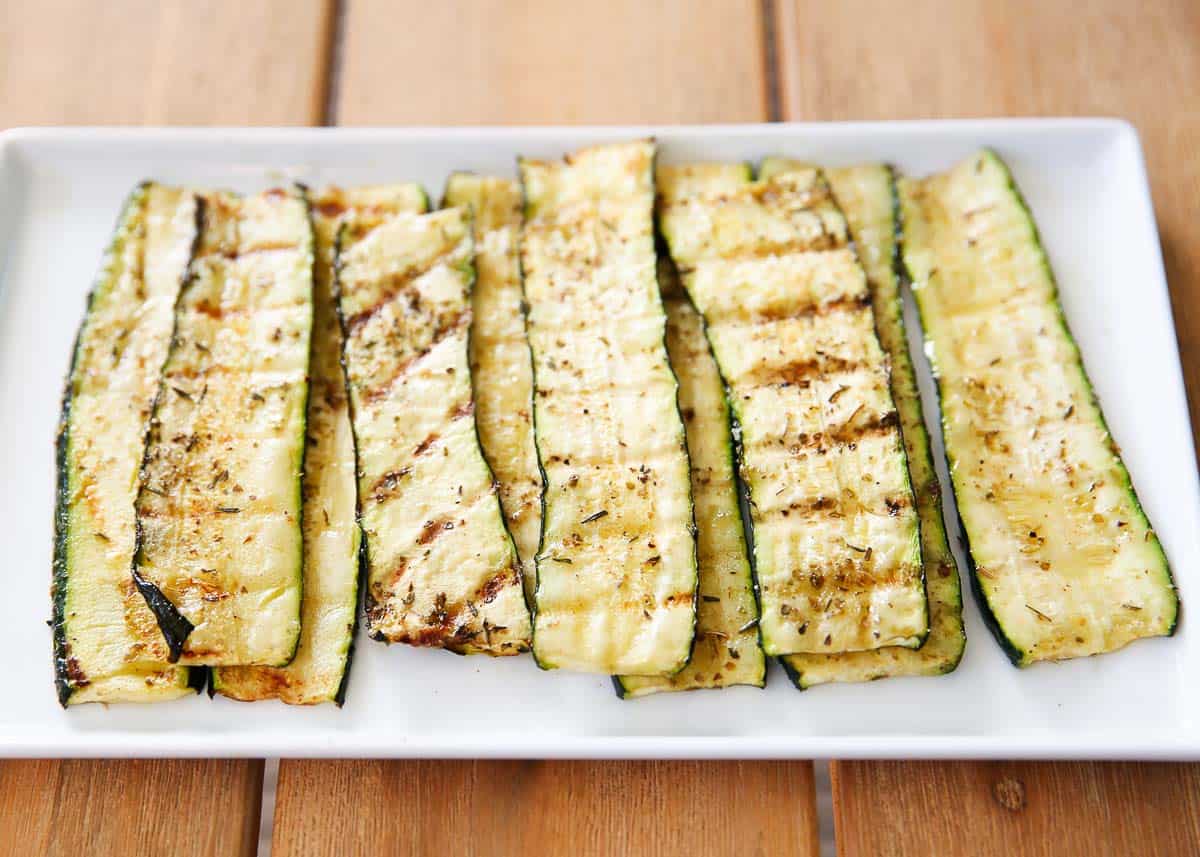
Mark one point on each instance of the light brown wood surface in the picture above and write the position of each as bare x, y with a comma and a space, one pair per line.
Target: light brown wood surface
176, 62
651, 809
503, 62
926, 59
73, 807
1014, 808
143, 62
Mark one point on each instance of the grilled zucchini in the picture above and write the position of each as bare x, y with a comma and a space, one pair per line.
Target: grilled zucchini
441, 567
332, 538
726, 651
1064, 561
788, 314
867, 197
500, 365
220, 549
107, 647
616, 571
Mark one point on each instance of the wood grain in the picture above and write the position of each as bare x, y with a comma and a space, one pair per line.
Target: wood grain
1031, 58
74, 807
545, 61
651, 809
175, 62
1035, 810
164, 63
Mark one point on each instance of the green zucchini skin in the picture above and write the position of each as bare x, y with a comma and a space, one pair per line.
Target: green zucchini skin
442, 569
110, 386
1016, 525
229, 427
835, 533
616, 570
501, 364
333, 544
867, 196
727, 650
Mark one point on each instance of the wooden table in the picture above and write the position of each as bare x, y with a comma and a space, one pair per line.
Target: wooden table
301, 62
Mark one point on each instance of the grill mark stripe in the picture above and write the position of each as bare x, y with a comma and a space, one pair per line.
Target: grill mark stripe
843, 435
833, 506
402, 284
457, 323
848, 304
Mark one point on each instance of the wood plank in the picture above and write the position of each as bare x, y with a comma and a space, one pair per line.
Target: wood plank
509, 808
1018, 58
513, 63
545, 61
1036, 810
170, 63
141, 61
73, 807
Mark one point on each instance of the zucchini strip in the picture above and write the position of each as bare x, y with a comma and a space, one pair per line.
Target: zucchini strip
726, 651
500, 364
616, 586
867, 197
220, 548
441, 567
1064, 562
107, 647
788, 314
332, 537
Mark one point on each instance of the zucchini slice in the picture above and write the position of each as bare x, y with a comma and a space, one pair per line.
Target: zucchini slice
220, 549
616, 571
441, 567
1064, 561
867, 197
332, 538
500, 365
107, 647
788, 313
726, 651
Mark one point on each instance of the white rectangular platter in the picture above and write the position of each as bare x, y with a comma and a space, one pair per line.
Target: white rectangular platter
60, 191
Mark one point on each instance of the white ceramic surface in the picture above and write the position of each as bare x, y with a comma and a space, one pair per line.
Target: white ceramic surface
1085, 180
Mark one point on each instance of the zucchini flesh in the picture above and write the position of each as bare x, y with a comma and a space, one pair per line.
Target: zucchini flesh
441, 568
1064, 561
107, 645
786, 306
726, 651
867, 197
218, 509
616, 570
332, 538
500, 365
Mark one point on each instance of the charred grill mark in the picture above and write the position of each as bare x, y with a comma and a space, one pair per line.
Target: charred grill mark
330, 208
496, 584
835, 507
400, 286
75, 674
848, 434
677, 598
799, 372
432, 529
388, 485
463, 409
424, 445
267, 247
455, 324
